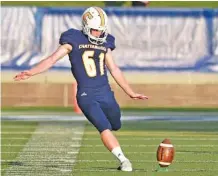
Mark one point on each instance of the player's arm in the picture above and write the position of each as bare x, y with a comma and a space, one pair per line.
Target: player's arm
119, 77
46, 63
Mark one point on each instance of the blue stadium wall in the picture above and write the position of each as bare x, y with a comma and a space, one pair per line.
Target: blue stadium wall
146, 39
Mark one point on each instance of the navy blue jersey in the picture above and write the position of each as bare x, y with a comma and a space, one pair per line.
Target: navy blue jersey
87, 60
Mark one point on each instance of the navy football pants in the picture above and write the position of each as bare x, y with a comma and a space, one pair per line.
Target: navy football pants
100, 107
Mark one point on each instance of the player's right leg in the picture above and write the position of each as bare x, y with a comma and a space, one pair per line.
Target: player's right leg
112, 144
96, 116
112, 110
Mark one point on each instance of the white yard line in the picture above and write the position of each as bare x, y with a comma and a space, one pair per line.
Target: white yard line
187, 117
32, 153
157, 139
132, 135
146, 170
100, 145
142, 161
18, 127
41, 161
49, 151
128, 138
39, 132
88, 170
139, 153
14, 138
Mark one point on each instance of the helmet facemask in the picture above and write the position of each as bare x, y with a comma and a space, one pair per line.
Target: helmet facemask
97, 40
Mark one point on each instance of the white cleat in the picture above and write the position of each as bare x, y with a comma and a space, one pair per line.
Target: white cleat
125, 166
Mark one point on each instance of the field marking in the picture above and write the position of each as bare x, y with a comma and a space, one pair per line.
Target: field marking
147, 170
148, 145
147, 161
42, 169
45, 139
14, 138
144, 132
111, 161
139, 152
18, 127
115, 170
128, 139
31, 153
174, 118
148, 139
39, 132
164, 134
101, 145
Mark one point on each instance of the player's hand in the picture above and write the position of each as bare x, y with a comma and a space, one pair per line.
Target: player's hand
23, 75
137, 96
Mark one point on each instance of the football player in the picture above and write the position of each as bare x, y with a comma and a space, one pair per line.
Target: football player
89, 52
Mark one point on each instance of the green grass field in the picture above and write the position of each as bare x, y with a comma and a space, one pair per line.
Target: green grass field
74, 148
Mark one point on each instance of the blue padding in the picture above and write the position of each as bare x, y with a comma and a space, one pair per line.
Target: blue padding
202, 64
171, 12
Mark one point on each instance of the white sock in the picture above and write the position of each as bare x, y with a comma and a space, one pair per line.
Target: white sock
119, 154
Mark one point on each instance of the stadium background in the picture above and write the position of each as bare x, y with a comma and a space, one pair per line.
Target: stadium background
41, 135
191, 80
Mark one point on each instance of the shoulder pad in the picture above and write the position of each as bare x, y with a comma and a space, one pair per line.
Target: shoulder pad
110, 42
68, 37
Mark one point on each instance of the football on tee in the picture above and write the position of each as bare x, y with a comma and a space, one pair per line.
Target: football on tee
165, 153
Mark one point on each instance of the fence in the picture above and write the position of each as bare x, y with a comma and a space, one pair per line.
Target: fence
146, 39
